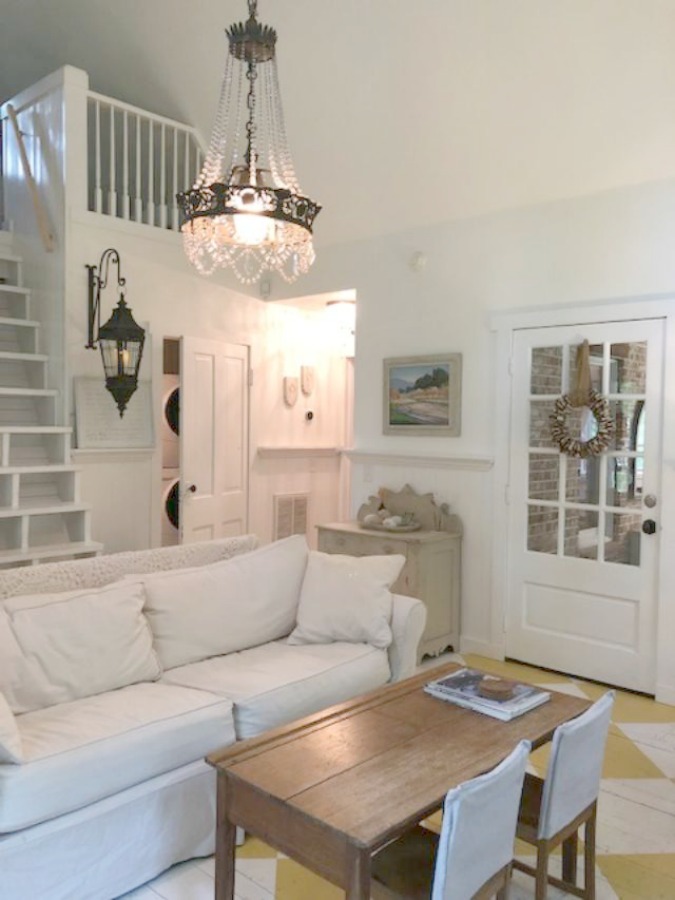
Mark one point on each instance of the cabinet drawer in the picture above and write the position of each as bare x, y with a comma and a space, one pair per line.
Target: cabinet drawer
359, 544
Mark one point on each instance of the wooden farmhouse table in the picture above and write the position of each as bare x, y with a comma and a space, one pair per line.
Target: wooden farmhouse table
332, 789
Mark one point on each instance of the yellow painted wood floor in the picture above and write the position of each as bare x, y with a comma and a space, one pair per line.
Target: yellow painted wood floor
636, 816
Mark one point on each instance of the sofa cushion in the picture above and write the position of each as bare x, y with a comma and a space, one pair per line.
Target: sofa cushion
92, 748
11, 750
276, 683
347, 598
227, 606
55, 648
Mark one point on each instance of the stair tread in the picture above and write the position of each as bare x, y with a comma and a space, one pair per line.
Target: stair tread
45, 468
23, 323
28, 357
50, 551
48, 510
13, 288
27, 392
35, 429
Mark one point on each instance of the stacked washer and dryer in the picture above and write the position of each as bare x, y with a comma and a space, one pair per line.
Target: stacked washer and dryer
170, 460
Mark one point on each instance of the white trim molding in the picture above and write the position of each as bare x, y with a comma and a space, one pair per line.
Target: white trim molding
489, 649
112, 454
505, 324
378, 457
297, 452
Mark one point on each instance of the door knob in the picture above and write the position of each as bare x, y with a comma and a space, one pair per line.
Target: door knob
649, 526
192, 488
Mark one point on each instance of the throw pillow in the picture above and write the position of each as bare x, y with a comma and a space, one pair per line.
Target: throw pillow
228, 606
10, 739
55, 648
347, 598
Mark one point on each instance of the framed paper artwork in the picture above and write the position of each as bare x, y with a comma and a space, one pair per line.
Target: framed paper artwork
423, 395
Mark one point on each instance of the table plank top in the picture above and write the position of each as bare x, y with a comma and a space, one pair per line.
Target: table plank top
384, 760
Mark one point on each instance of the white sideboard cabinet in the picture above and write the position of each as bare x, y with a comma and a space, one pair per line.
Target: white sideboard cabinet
431, 572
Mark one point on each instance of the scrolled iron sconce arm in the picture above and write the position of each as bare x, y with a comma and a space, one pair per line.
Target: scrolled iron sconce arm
98, 283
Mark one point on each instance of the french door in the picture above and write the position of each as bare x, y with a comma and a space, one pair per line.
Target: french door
584, 533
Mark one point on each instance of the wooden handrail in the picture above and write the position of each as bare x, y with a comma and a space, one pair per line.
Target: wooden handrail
46, 233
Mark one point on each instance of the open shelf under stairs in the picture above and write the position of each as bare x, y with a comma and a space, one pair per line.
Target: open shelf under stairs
41, 515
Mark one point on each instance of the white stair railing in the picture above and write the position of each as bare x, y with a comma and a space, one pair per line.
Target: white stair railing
138, 162
41, 215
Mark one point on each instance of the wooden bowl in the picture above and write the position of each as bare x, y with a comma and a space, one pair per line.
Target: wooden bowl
496, 689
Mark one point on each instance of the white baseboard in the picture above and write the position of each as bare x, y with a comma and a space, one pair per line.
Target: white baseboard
665, 693
481, 648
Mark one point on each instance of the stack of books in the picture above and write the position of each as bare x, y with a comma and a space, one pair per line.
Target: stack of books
463, 689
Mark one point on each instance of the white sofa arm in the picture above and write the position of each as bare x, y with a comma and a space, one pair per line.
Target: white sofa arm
409, 616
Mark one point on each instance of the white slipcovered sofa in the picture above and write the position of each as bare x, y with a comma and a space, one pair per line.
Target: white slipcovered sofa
119, 674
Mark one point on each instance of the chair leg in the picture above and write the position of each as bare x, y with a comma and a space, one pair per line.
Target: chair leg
570, 848
541, 878
505, 889
589, 857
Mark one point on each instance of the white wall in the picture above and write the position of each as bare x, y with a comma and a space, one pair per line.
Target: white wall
585, 251
169, 299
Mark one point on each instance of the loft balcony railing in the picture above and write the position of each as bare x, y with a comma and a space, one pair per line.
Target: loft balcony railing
137, 162
116, 159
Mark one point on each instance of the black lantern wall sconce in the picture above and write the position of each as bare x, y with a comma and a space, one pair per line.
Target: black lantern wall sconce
121, 339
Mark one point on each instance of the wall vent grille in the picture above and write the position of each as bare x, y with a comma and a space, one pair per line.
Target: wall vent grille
290, 515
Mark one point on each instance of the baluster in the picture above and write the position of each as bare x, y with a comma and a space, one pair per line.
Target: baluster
151, 172
125, 165
174, 205
98, 192
112, 192
187, 183
138, 203
162, 177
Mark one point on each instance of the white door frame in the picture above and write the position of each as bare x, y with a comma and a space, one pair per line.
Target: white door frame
504, 325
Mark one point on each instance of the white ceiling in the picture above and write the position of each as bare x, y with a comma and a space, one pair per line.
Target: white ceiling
400, 114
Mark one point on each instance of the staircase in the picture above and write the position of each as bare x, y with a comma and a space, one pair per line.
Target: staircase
41, 517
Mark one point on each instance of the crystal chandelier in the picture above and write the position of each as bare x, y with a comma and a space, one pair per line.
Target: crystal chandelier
246, 210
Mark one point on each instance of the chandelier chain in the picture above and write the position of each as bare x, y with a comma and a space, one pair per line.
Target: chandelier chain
253, 8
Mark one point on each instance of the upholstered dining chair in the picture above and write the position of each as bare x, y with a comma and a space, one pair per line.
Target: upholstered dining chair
472, 856
553, 809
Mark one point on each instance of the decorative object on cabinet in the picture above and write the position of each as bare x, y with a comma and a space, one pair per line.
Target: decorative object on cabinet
307, 380
420, 508
290, 390
423, 395
433, 557
121, 339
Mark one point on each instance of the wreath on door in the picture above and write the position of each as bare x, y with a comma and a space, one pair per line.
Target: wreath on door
581, 396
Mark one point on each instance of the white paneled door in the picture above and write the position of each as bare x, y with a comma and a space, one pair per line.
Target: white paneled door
213, 439
584, 533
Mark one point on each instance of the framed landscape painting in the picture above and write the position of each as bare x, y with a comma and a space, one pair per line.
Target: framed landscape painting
423, 395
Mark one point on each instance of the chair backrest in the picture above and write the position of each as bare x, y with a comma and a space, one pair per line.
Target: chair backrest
575, 767
479, 828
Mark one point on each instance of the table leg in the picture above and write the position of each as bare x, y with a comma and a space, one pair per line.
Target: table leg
358, 887
226, 833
